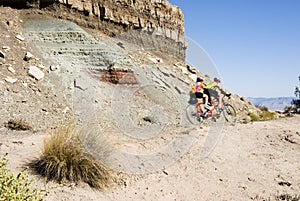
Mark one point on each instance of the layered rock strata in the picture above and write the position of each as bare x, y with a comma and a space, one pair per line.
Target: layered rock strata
159, 25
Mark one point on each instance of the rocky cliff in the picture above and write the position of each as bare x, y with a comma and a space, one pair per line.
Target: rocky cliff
160, 24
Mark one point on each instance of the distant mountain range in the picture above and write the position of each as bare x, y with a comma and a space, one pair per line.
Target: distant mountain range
274, 104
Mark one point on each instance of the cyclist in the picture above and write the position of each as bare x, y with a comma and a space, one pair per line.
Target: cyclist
199, 92
211, 90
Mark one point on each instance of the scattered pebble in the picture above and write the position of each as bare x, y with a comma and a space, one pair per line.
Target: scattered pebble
10, 79
28, 56
2, 54
20, 37
41, 66
53, 68
6, 48
11, 69
10, 23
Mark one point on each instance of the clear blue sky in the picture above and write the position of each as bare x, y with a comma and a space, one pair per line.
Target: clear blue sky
255, 44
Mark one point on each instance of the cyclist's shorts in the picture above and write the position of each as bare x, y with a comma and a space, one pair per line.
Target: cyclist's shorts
199, 95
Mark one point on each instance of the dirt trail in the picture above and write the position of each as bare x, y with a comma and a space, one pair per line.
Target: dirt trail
251, 162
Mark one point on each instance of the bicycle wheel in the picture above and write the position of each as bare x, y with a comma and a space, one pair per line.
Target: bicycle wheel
192, 115
229, 112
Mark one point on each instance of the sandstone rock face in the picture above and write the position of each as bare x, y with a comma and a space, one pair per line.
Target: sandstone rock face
154, 15
160, 24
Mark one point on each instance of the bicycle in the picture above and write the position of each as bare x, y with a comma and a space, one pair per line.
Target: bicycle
196, 115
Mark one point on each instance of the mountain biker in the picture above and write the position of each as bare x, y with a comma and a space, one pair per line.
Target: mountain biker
199, 92
211, 90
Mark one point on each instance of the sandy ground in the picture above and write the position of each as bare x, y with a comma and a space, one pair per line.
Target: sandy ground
254, 161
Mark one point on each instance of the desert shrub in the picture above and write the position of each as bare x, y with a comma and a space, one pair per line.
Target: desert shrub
288, 197
254, 117
18, 124
64, 158
267, 115
17, 187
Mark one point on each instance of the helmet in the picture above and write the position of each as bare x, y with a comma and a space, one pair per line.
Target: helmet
217, 80
199, 79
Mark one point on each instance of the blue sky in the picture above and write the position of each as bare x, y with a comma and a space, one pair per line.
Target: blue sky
254, 44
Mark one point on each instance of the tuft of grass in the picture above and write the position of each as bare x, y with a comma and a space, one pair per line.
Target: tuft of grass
18, 124
17, 186
64, 159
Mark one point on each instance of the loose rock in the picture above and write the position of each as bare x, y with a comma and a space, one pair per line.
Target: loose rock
6, 48
36, 72
11, 69
53, 68
10, 79
19, 37
28, 56
2, 54
10, 23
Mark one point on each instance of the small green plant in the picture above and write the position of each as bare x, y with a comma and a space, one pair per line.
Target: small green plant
267, 115
16, 187
64, 158
254, 117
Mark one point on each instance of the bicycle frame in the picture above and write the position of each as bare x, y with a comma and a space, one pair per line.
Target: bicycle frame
196, 113
215, 112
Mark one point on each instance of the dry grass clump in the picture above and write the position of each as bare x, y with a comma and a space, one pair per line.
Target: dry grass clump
64, 158
18, 124
17, 186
